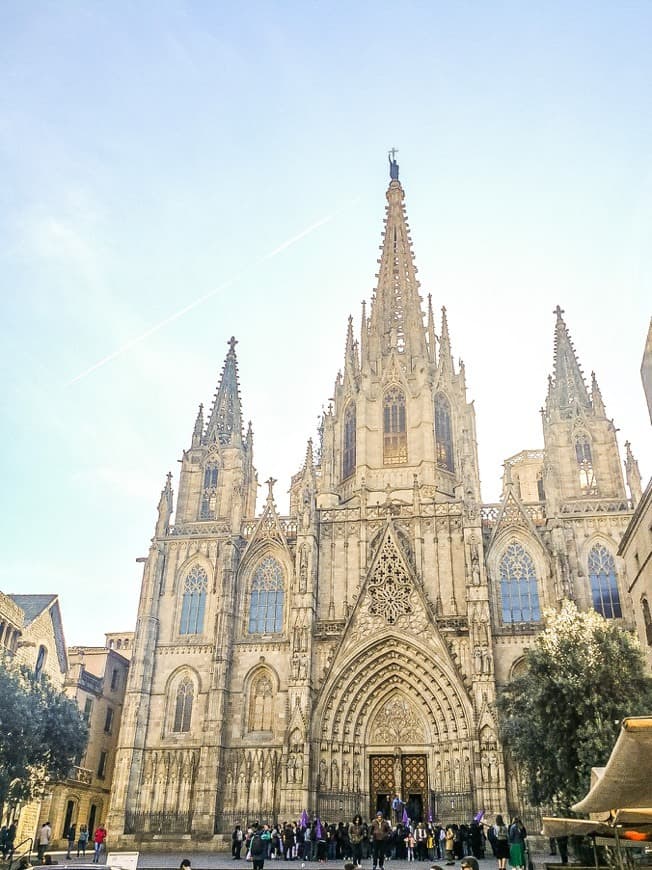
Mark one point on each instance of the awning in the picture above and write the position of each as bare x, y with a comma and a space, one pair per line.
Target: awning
627, 779
629, 830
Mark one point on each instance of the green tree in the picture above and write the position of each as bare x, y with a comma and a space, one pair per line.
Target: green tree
561, 717
43, 732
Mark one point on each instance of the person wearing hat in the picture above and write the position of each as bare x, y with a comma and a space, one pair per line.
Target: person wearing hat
379, 830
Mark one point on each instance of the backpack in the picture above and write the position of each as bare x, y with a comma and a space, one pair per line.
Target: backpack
501, 832
257, 847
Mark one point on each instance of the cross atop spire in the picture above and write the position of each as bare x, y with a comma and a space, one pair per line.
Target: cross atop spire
225, 421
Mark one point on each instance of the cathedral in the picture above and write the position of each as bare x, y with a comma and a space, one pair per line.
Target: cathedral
330, 659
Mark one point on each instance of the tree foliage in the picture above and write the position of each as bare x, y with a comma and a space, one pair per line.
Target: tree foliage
43, 732
562, 716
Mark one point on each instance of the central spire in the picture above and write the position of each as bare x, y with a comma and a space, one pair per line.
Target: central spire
225, 422
396, 320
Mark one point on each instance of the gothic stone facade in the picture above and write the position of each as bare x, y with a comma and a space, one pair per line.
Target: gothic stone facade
327, 659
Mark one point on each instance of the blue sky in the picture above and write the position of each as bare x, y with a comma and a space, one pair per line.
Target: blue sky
175, 173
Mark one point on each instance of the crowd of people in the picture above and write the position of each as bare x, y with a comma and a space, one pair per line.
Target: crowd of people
378, 840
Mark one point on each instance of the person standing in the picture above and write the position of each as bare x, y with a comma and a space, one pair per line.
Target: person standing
501, 835
517, 835
258, 849
70, 836
44, 838
236, 842
356, 836
380, 831
98, 843
82, 840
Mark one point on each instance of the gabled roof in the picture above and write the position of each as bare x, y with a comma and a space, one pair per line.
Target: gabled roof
35, 605
32, 605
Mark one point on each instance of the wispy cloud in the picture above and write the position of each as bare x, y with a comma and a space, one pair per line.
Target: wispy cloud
206, 296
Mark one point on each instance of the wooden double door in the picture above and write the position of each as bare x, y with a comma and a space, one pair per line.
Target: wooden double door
405, 775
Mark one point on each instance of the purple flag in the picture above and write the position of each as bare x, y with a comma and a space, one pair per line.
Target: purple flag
305, 821
478, 816
318, 830
405, 818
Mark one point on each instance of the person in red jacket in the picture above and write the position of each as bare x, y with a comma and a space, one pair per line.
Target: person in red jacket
98, 841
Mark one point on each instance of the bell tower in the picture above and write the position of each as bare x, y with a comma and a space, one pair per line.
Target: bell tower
581, 452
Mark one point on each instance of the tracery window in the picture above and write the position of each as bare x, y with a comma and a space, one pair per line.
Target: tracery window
348, 451
183, 705
261, 698
394, 427
604, 586
194, 601
443, 432
647, 619
267, 598
519, 591
209, 493
585, 463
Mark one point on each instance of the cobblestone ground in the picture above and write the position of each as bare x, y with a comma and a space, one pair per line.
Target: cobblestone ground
223, 861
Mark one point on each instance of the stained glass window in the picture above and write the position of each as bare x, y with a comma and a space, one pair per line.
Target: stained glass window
261, 699
348, 452
183, 706
267, 598
585, 463
519, 591
443, 432
209, 493
194, 601
604, 587
394, 428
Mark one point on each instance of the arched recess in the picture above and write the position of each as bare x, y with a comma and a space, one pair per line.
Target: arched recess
444, 432
261, 687
540, 560
349, 440
182, 690
372, 676
211, 471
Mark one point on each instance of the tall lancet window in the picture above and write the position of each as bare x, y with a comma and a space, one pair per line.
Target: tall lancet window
394, 428
519, 593
348, 447
604, 587
209, 493
267, 598
194, 601
647, 620
585, 463
183, 706
443, 432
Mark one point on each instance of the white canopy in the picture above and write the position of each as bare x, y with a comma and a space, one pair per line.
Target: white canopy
626, 783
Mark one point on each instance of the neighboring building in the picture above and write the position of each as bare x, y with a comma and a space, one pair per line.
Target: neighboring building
96, 680
41, 644
122, 642
327, 659
31, 632
636, 545
646, 370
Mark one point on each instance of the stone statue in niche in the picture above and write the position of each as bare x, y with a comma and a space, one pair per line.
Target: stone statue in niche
303, 569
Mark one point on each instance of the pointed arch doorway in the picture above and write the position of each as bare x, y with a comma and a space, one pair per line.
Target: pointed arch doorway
398, 761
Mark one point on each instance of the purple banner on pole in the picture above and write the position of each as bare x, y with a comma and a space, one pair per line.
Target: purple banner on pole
405, 818
478, 816
304, 819
318, 830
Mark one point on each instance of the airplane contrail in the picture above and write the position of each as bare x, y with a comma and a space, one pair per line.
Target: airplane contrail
201, 299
